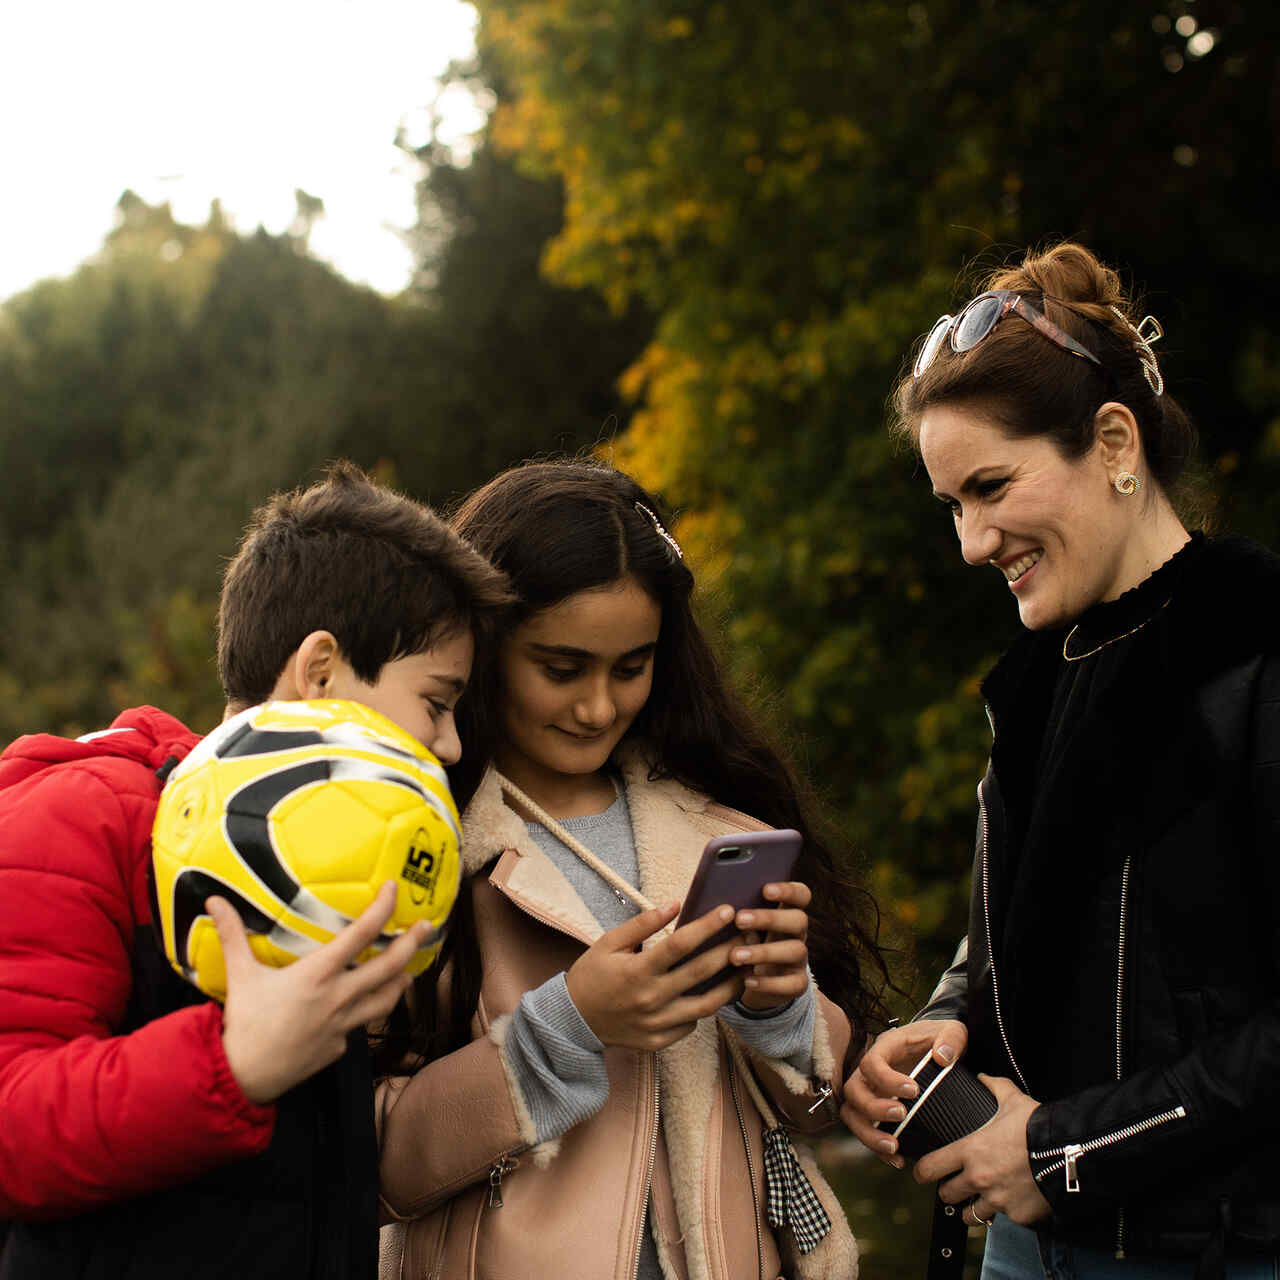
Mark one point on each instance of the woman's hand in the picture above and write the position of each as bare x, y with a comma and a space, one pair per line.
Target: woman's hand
636, 999
990, 1171
777, 964
875, 1091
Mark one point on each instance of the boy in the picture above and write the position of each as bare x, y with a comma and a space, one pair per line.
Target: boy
148, 1131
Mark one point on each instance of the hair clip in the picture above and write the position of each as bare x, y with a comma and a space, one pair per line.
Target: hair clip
662, 533
1147, 331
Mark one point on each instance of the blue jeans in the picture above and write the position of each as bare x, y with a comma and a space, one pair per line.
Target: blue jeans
1018, 1253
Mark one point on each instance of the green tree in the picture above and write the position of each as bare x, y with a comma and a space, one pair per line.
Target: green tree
792, 190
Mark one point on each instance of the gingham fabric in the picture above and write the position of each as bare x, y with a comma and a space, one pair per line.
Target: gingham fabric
791, 1199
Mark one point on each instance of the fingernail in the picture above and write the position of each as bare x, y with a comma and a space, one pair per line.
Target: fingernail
909, 1090
745, 919
751, 982
897, 1113
944, 1053
772, 891
741, 955
726, 913
887, 1145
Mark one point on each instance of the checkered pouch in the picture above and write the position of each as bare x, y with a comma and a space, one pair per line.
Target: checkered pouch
790, 1200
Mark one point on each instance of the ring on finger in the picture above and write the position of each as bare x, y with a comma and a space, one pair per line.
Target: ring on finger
978, 1219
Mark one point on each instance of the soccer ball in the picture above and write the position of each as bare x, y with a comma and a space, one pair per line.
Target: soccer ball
296, 813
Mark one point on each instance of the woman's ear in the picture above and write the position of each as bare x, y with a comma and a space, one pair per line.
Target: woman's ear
310, 670
1117, 438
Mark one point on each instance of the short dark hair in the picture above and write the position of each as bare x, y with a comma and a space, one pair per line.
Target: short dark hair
1032, 388
382, 572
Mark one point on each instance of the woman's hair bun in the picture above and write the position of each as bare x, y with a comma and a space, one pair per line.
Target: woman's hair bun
1070, 274
1032, 388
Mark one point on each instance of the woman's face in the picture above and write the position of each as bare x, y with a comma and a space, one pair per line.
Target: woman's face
1054, 527
574, 677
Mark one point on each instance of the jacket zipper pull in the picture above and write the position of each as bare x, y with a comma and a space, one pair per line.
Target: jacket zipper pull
824, 1092
1071, 1152
495, 1180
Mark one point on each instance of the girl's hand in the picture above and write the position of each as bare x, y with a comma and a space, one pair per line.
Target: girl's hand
777, 965
636, 999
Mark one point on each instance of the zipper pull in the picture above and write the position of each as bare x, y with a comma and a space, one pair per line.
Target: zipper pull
824, 1092
496, 1172
1071, 1152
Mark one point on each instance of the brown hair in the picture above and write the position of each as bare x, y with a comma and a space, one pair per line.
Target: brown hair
382, 572
1031, 387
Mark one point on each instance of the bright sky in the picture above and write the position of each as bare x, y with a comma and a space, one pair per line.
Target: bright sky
243, 100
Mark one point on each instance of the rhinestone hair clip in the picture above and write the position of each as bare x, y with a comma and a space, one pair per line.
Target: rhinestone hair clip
661, 531
1144, 334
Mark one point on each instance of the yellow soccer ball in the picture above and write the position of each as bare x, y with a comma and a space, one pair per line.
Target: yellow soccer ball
296, 813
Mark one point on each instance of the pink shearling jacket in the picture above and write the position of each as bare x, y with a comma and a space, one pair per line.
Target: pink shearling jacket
467, 1190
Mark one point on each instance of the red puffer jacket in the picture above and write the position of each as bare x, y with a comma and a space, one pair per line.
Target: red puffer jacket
91, 1116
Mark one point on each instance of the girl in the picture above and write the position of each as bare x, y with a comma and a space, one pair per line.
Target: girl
581, 1113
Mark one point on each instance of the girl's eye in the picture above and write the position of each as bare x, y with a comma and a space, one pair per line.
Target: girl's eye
562, 674
437, 707
629, 673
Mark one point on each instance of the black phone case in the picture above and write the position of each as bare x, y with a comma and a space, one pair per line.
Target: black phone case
766, 858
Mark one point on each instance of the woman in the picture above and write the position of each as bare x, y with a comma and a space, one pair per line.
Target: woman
581, 1112
1120, 975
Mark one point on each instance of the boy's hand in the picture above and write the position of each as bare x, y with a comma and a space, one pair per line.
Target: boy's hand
637, 999
281, 1026
777, 974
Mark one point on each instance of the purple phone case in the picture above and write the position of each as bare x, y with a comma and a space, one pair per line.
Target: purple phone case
767, 857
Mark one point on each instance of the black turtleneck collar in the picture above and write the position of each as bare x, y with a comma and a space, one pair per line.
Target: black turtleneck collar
1110, 620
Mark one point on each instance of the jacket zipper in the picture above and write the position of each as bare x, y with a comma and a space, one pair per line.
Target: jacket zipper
653, 1155
991, 948
1068, 1155
497, 1171
751, 1170
1120, 954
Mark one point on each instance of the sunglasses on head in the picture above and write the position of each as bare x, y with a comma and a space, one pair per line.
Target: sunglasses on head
981, 316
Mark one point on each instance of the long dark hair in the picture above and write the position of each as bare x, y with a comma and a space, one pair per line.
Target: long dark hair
557, 528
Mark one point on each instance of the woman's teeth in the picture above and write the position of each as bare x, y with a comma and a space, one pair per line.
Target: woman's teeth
1015, 570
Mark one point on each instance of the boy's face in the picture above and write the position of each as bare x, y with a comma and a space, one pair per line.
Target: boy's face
419, 692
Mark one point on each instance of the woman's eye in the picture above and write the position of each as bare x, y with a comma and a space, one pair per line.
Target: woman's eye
629, 673
989, 488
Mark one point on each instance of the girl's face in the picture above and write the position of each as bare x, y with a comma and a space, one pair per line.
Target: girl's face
574, 678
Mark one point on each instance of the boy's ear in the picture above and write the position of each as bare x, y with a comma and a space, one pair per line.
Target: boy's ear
310, 671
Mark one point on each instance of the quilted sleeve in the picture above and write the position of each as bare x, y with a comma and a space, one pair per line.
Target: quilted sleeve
91, 1116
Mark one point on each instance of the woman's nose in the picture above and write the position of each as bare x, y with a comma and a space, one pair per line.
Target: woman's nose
979, 538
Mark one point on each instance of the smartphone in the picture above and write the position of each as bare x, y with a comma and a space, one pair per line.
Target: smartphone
735, 869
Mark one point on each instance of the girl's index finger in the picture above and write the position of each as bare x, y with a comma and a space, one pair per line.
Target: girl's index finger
789, 893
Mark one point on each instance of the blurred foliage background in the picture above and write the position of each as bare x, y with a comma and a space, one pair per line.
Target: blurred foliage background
698, 237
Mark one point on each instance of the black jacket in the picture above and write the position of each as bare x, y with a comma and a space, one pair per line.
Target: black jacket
305, 1209
1135, 923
